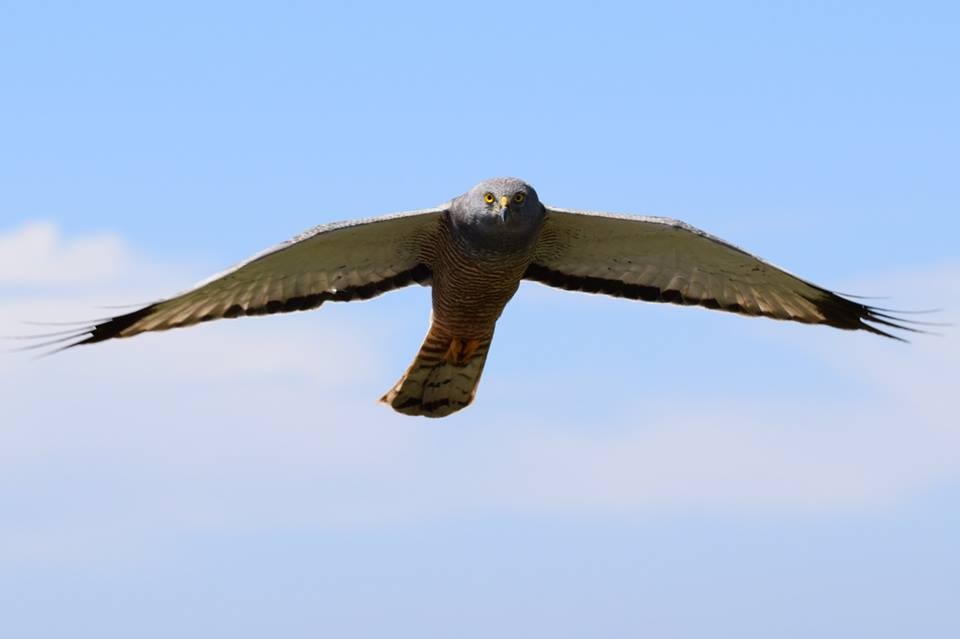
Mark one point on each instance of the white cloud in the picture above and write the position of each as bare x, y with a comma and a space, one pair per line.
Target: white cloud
274, 420
37, 254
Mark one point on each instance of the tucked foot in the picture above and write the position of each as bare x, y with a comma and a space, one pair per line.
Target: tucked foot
461, 351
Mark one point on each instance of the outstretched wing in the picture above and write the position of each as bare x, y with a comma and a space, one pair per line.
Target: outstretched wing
335, 262
657, 259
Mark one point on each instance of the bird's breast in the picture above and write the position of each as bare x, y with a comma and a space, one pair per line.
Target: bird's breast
472, 284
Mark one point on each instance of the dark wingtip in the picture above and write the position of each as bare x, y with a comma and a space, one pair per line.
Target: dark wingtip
88, 332
74, 337
842, 312
114, 327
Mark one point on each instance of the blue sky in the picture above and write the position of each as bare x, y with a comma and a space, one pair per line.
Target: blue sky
738, 478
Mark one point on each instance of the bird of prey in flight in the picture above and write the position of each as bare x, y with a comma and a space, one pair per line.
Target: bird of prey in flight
474, 251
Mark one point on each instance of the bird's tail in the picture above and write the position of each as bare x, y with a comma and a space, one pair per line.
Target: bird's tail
443, 378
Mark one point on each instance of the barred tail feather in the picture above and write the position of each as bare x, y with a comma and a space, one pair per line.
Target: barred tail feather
439, 382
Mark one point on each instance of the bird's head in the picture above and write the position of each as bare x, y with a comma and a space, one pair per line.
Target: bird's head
505, 208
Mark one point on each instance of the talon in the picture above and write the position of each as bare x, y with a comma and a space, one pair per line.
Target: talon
453, 351
459, 352
469, 349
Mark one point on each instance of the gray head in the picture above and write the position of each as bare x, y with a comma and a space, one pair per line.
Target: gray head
500, 210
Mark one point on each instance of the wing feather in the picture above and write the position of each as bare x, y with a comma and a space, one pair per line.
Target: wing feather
658, 259
334, 262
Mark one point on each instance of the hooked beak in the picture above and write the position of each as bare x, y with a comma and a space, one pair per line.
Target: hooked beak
504, 207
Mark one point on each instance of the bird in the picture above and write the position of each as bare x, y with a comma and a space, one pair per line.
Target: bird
473, 252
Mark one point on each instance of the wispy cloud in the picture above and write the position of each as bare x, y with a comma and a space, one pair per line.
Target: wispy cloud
38, 254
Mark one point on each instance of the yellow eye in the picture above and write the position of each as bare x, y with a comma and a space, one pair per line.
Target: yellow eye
519, 198
488, 198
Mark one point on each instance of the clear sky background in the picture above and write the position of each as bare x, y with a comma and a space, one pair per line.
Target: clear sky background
627, 470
